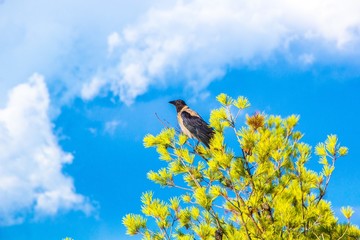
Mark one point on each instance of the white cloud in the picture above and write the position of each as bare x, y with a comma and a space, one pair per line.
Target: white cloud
185, 42
194, 42
307, 58
91, 89
64, 40
111, 126
114, 41
32, 183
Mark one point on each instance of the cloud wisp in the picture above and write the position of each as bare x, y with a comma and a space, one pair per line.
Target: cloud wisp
194, 42
32, 184
63, 40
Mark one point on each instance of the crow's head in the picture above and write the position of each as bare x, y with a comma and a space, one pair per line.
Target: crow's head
179, 104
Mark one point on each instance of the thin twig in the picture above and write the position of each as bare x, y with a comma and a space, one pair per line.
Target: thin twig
166, 124
241, 215
188, 170
182, 188
322, 194
347, 227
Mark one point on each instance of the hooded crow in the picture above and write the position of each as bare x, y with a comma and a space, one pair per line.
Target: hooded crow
191, 123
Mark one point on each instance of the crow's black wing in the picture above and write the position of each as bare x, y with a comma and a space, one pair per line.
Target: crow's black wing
198, 127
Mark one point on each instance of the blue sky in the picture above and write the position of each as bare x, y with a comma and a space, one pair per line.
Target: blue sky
80, 83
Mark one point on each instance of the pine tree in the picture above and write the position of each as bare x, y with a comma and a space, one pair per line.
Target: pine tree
261, 190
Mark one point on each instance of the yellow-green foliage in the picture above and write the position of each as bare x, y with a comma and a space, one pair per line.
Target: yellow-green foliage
259, 190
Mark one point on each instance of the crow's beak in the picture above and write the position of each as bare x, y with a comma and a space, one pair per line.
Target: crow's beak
172, 102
